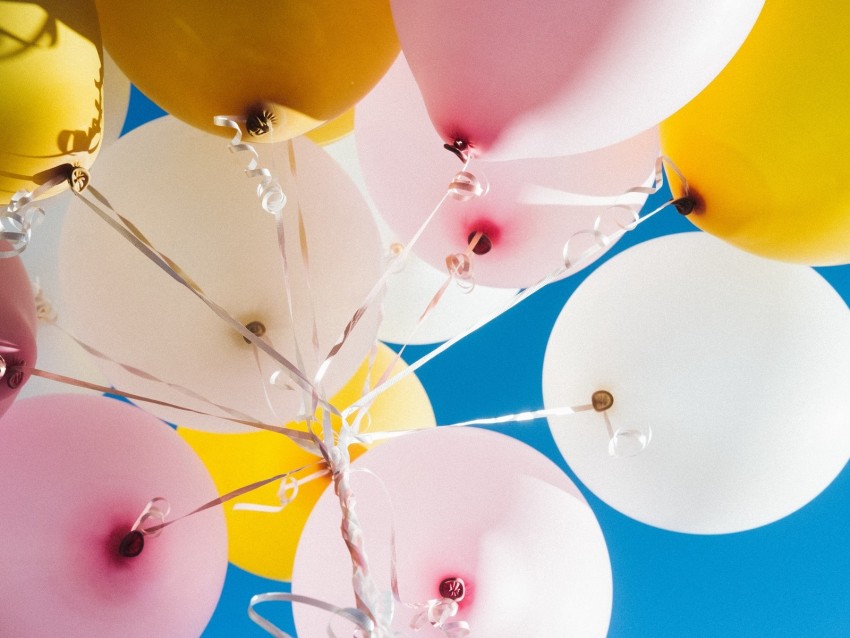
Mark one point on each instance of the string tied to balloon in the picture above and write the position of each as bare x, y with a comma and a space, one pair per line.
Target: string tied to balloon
149, 523
623, 442
438, 612
269, 190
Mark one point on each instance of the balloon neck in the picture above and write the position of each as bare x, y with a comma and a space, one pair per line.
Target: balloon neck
11, 372
602, 400
453, 588
260, 119
256, 328
78, 178
132, 544
479, 243
685, 205
459, 147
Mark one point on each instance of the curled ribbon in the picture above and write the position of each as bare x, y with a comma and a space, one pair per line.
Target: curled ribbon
272, 197
21, 215
437, 612
157, 509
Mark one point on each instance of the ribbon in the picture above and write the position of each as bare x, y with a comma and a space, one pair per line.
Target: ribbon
462, 184
355, 616
307, 440
131, 234
272, 197
436, 612
21, 215
562, 270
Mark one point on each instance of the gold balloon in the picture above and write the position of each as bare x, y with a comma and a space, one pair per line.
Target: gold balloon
334, 130
51, 78
302, 62
764, 146
264, 543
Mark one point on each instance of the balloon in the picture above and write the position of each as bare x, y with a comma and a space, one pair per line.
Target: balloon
561, 77
407, 172
197, 206
17, 327
264, 543
76, 472
307, 62
763, 147
466, 503
57, 352
733, 367
52, 75
333, 131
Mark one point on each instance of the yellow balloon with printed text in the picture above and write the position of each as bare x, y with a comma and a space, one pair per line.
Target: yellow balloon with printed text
764, 147
303, 61
264, 543
51, 79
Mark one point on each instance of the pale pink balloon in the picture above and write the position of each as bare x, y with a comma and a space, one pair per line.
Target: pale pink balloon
76, 471
17, 326
530, 210
472, 504
519, 79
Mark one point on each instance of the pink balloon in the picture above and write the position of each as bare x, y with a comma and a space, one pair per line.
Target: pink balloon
76, 471
472, 504
17, 326
516, 79
530, 209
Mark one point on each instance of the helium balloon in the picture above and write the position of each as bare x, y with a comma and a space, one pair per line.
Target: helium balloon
468, 504
525, 226
730, 369
304, 63
561, 77
192, 200
52, 77
264, 543
77, 471
17, 328
764, 146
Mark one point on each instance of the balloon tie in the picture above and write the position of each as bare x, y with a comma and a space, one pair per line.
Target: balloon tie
133, 542
261, 120
460, 148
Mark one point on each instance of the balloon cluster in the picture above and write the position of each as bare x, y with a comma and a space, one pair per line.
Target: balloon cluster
243, 296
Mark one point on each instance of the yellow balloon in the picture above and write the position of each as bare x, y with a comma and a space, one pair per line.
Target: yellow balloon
304, 61
51, 78
764, 146
264, 543
334, 130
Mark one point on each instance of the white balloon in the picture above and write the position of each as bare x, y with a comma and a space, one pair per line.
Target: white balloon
736, 365
467, 503
193, 201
